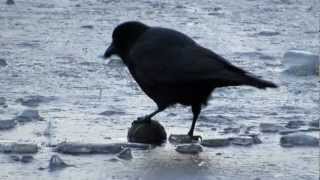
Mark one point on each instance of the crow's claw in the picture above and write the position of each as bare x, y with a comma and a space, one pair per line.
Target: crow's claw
196, 138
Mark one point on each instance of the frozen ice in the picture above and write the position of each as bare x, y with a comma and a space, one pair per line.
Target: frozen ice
301, 63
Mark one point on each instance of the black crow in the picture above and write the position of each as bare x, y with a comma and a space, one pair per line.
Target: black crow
171, 68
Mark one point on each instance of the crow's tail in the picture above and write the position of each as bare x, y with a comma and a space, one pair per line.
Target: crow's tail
259, 83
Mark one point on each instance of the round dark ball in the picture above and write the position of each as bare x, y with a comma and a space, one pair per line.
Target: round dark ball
147, 132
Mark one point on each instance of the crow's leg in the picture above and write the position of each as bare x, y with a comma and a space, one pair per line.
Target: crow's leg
147, 118
196, 109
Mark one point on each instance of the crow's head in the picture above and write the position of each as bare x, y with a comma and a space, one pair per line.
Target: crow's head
124, 36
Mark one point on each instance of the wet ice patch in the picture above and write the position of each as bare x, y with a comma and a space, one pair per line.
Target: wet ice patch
3, 102
32, 44
7, 124
10, 2
295, 124
87, 26
268, 33
315, 123
301, 63
26, 158
34, 101
23, 159
270, 127
255, 54
228, 130
29, 115
112, 113
3, 63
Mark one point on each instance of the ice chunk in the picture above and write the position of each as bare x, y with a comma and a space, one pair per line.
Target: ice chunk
125, 154
218, 142
56, 163
89, 148
242, 141
298, 139
301, 63
18, 148
180, 139
189, 149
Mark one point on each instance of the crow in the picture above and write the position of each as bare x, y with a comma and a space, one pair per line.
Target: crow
172, 68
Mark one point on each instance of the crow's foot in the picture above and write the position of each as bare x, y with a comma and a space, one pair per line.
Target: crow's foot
196, 138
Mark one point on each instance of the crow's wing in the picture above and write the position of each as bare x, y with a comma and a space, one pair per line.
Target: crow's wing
176, 64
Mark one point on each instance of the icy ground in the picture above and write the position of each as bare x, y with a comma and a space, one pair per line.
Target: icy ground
52, 49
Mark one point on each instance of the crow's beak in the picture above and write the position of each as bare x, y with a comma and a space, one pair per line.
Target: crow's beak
110, 51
